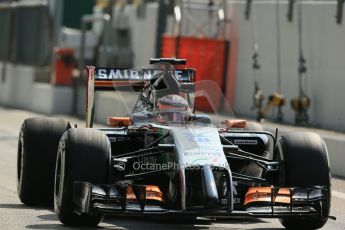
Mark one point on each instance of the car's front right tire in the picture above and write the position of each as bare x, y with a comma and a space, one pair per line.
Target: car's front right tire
306, 164
83, 155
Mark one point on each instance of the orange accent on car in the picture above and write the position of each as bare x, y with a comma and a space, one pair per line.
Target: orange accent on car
119, 121
153, 193
234, 123
264, 194
130, 194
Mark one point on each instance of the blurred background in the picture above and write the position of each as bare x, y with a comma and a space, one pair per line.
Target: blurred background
281, 60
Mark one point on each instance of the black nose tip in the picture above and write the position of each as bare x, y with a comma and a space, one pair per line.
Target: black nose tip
209, 188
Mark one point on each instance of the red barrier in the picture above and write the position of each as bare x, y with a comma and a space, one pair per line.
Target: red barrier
207, 56
63, 64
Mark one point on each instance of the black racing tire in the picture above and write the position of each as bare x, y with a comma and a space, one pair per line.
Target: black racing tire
306, 164
83, 155
37, 147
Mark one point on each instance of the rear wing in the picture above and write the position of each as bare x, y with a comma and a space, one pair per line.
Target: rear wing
111, 79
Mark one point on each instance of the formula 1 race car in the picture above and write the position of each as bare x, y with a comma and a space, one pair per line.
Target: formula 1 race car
164, 159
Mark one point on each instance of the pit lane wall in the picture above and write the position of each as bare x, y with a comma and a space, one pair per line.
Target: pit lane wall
18, 89
324, 51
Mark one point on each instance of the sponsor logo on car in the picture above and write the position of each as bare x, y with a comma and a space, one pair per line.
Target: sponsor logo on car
245, 142
135, 75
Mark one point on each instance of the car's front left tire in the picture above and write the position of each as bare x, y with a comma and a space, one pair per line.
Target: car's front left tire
83, 155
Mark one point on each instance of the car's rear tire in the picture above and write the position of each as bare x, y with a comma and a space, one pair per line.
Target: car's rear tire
83, 155
306, 164
37, 147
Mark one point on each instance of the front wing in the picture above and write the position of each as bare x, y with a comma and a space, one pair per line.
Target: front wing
112, 200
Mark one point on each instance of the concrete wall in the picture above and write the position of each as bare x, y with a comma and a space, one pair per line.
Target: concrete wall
51, 99
144, 35
324, 52
16, 89
1, 83
336, 148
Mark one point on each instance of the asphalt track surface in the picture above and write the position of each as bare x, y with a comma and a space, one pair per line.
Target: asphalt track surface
14, 215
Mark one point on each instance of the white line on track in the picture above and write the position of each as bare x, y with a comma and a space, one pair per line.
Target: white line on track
339, 195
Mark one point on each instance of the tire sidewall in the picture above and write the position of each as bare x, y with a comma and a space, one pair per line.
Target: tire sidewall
36, 155
72, 170
59, 170
20, 165
297, 173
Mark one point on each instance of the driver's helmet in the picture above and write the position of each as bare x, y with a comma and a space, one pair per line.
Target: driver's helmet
172, 109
